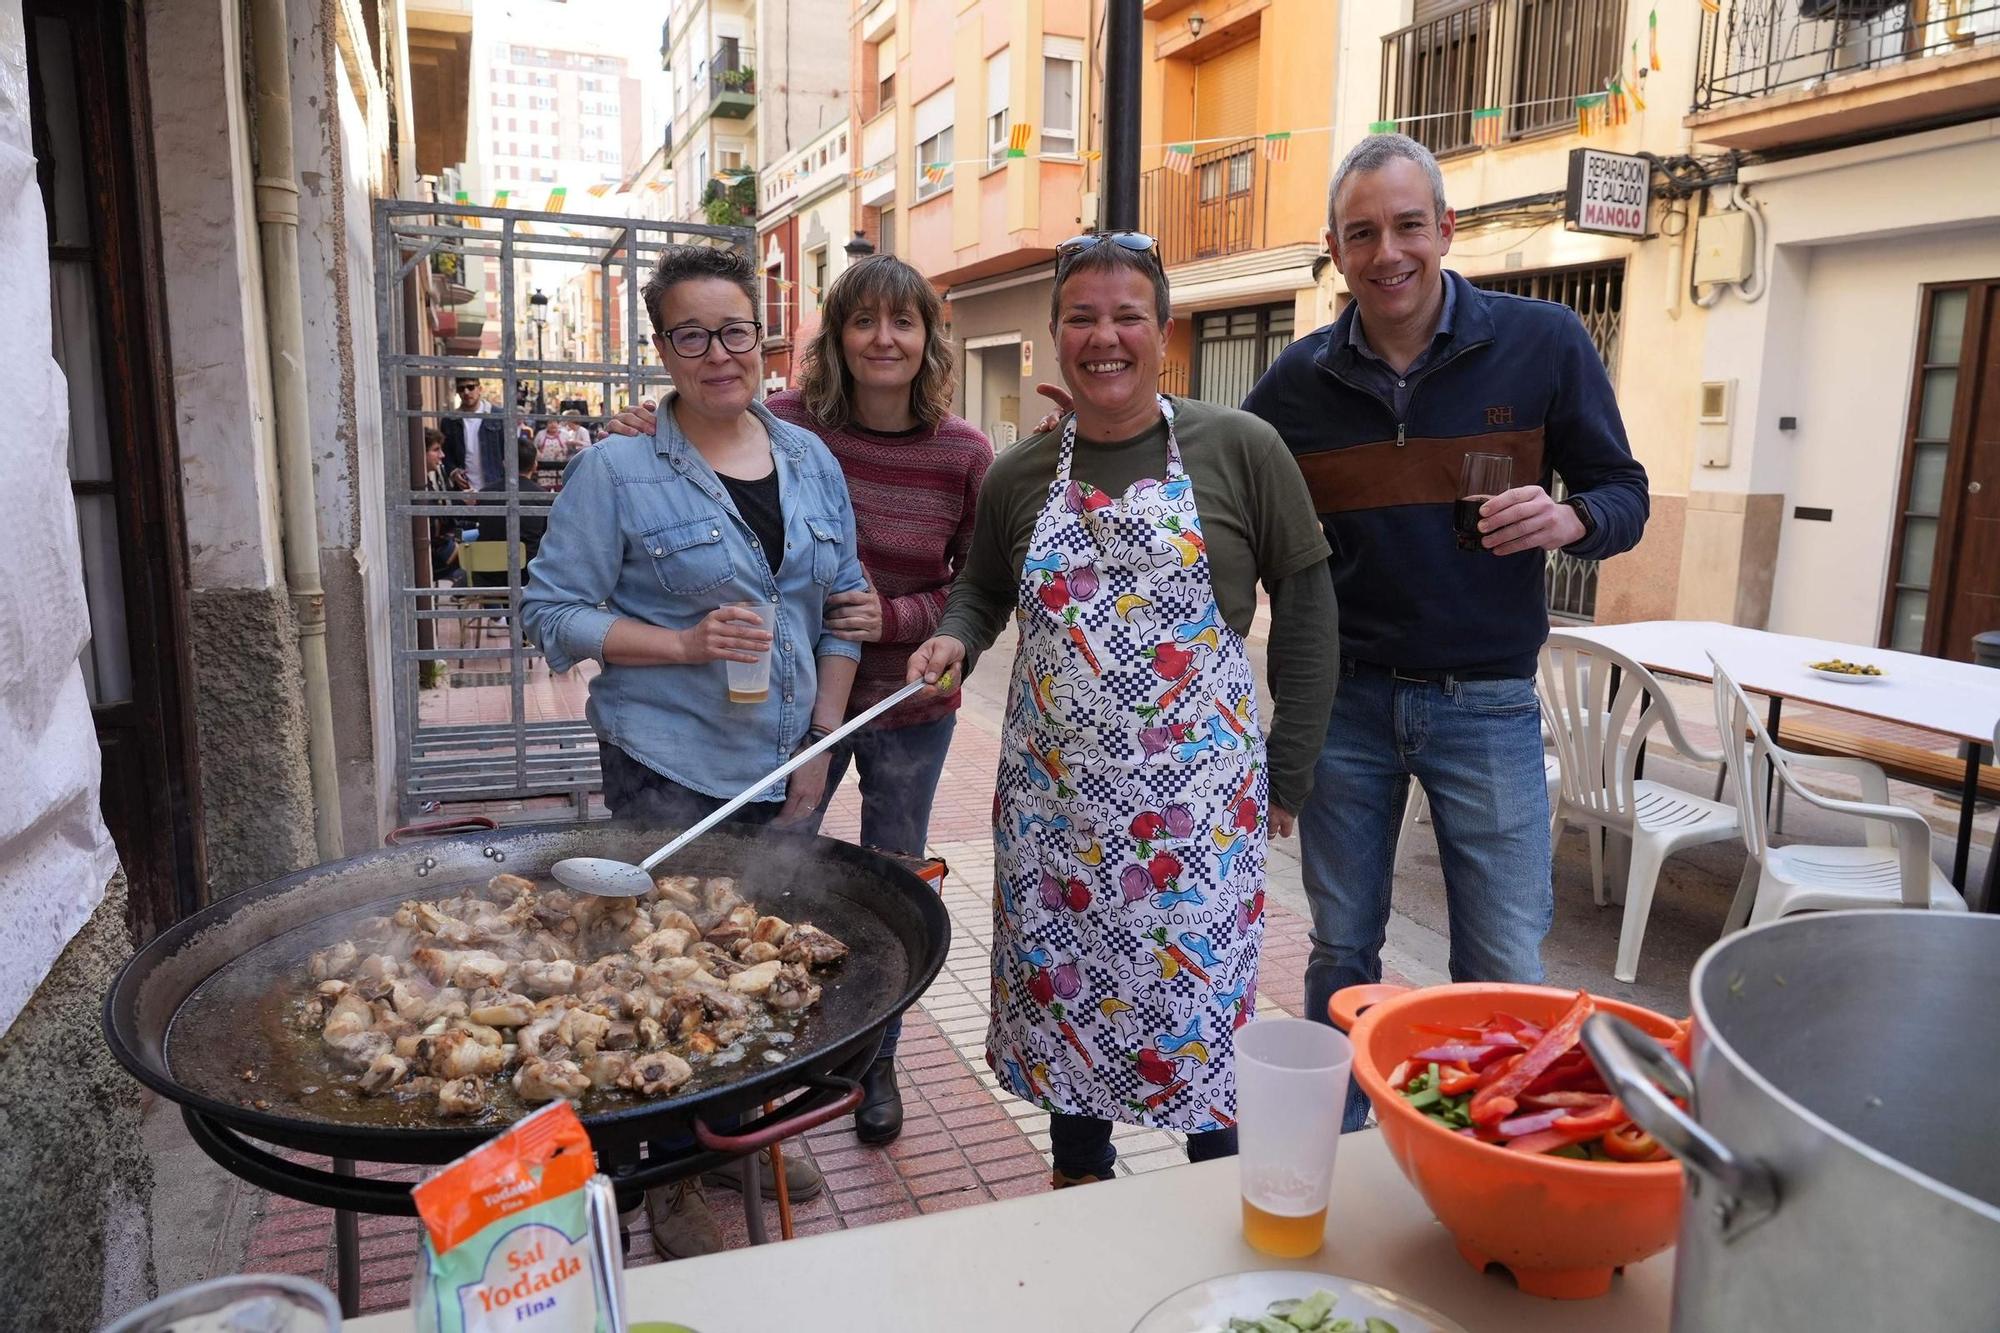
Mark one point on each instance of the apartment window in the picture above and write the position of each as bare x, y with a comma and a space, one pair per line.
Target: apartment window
817, 268
883, 57
730, 159
998, 118
885, 237
1062, 93
774, 301
933, 130
1530, 56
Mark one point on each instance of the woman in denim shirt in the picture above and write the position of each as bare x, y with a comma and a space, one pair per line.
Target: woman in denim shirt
654, 542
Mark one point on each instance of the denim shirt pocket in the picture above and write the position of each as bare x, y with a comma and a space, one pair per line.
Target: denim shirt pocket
691, 556
825, 550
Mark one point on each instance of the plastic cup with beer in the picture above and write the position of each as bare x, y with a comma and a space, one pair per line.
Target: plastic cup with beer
750, 682
1291, 1086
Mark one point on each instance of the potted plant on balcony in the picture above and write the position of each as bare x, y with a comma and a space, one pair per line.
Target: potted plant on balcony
741, 80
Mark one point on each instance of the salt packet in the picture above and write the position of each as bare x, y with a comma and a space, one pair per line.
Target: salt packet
521, 1234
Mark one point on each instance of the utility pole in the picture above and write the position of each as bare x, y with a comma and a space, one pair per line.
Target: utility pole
1124, 27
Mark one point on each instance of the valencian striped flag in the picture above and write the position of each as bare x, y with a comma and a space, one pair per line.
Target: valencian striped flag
1017, 141
597, 191
1486, 127
500, 198
1653, 38
935, 172
1638, 78
557, 197
1381, 127
1590, 114
1180, 158
1615, 110
1277, 145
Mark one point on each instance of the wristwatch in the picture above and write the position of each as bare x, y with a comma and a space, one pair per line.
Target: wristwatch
1583, 513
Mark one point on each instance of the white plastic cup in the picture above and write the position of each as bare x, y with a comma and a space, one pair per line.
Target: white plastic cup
1291, 1088
750, 682
263, 1301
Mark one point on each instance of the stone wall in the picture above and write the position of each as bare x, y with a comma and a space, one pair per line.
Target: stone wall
256, 793
75, 1173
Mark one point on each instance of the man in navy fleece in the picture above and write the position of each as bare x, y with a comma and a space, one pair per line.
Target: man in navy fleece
1438, 645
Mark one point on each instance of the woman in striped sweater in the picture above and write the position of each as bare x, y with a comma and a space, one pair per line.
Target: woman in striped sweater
876, 385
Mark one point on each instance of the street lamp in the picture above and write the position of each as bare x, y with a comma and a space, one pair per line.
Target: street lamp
538, 316
858, 248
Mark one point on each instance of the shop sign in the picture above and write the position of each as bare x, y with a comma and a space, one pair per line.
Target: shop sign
1610, 193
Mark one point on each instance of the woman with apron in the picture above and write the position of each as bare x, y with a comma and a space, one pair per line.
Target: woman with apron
1136, 785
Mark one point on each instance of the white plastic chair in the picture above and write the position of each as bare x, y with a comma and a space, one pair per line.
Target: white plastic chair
1598, 732
1417, 806
1893, 868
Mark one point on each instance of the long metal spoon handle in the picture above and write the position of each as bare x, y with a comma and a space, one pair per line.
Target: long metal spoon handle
806, 755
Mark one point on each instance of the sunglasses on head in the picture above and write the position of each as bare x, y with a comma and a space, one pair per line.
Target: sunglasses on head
1138, 242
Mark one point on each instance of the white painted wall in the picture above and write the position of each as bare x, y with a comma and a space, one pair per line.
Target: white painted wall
1854, 235
214, 296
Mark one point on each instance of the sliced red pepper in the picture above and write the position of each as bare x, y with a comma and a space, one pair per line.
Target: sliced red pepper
1573, 1072
1455, 1079
1519, 1026
1682, 1045
1547, 1100
1629, 1143
1496, 1100
1500, 1068
1548, 1140
1594, 1120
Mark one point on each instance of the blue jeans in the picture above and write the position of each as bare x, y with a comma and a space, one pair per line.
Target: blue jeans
1476, 746
1081, 1145
899, 771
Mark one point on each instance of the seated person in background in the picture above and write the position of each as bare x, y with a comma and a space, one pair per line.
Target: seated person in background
551, 445
534, 517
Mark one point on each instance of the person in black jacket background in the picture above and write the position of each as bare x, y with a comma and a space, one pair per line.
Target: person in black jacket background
484, 465
1438, 644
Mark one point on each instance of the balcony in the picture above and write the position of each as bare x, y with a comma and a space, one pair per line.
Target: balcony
732, 81
1214, 208
1532, 57
1773, 73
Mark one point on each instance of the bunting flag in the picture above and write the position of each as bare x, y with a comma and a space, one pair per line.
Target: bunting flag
465, 199
557, 197
1277, 146
1179, 158
656, 186
1615, 110
599, 191
1712, 6
500, 198
1090, 155
1487, 125
1590, 114
1653, 37
1017, 141
935, 172
1638, 78
1381, 127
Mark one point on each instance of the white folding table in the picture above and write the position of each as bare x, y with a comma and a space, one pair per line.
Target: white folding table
1955, 699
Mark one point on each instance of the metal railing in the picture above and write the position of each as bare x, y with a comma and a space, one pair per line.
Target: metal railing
496, 747
1753, 48
733, 69
1216, 207
1532, 57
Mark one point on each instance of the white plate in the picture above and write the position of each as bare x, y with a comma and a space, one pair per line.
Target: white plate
1207, 1307
1846, 679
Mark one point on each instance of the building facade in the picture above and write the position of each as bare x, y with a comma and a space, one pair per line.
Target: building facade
802, 239
1848, 484
710, 57
976, 144
1238, 215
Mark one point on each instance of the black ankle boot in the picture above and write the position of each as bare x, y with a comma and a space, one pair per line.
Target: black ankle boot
880, 1118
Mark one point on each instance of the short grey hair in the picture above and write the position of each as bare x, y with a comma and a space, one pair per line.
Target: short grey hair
1378, 151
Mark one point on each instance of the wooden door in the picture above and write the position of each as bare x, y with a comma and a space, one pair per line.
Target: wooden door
1970, 601
84, 85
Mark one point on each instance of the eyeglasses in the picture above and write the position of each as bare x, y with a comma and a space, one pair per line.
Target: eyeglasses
1138, 242
691, 341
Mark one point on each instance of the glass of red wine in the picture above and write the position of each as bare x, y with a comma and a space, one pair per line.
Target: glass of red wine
1481, 477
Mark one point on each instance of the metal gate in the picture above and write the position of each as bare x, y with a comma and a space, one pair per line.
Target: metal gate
1596, 293
480, 721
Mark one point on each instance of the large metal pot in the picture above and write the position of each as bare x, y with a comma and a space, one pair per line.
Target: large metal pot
1843, 1168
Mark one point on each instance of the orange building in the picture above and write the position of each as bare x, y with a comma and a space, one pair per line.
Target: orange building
940, 87
1238, 217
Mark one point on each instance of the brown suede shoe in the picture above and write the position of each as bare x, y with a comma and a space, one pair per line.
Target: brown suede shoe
1059, 1181
802, 1179
682, 1226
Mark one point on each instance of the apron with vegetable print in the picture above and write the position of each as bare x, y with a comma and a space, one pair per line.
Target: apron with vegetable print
1129, 821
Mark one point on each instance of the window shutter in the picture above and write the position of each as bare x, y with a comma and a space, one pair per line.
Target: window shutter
1225, 94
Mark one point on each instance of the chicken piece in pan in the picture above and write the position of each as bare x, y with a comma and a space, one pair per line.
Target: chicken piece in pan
656, 1074
808, 944
539, 1080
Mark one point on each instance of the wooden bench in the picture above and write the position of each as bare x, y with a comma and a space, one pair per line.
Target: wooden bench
1905, 763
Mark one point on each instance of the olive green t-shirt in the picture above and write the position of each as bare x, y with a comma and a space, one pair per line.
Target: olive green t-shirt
1258, 525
